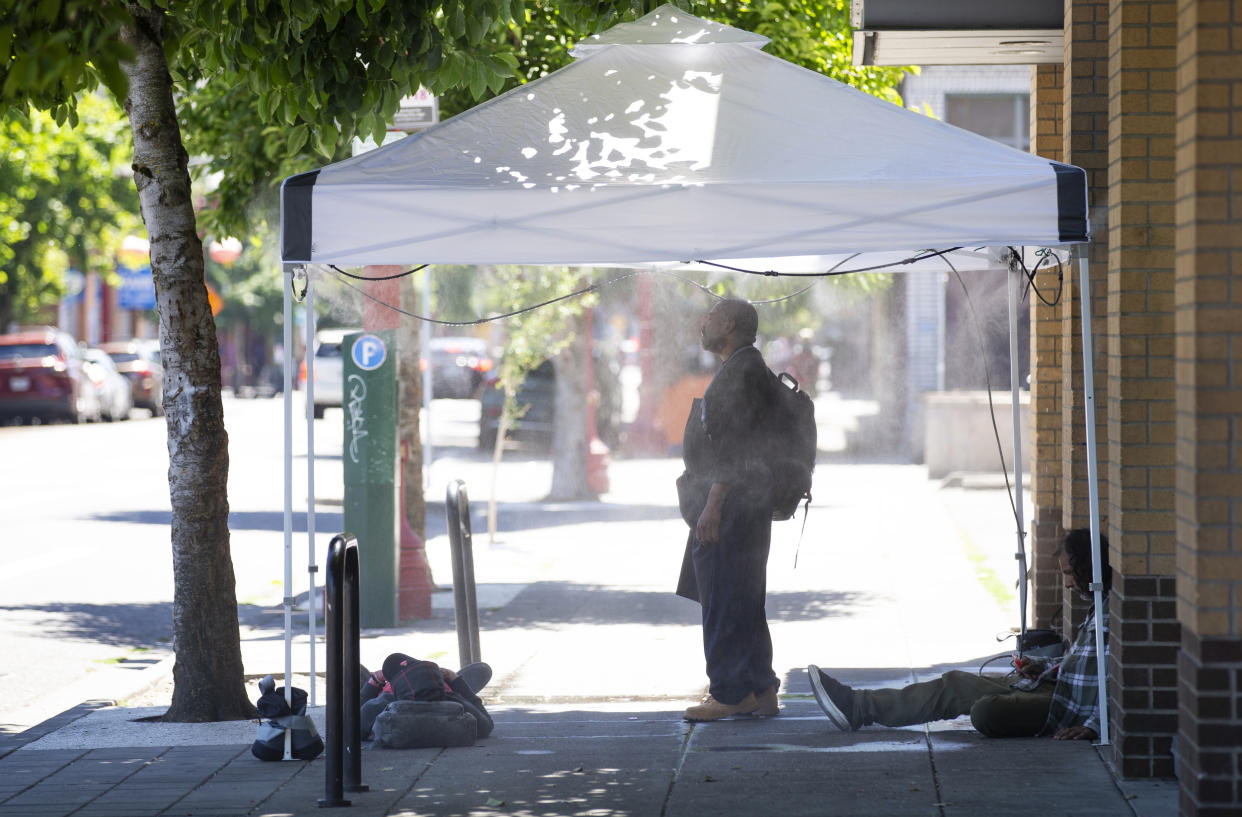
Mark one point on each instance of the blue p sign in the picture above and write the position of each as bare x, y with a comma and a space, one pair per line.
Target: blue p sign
369, 352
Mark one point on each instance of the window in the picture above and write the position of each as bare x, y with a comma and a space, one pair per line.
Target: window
1003, 117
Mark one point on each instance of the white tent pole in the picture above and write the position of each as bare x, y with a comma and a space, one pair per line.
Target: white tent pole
1015, 286
424, 343
1093, 492
311, 568
288, 601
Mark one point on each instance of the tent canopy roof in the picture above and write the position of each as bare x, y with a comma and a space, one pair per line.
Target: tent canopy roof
674, 138
668, 25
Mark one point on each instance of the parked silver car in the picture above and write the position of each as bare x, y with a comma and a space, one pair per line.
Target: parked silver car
139, 360
329, 367
116, 399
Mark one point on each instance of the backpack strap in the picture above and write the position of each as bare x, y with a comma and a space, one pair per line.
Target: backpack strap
806, 509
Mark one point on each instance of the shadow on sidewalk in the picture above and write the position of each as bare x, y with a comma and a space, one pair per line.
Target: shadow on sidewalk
123, 625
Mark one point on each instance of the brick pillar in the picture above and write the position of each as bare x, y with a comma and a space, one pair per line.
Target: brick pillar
1047, 107
1086, 145
1142, 674
1208, 324
1142, 455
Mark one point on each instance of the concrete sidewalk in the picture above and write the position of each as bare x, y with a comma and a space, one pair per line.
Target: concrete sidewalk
604, 759
895, 579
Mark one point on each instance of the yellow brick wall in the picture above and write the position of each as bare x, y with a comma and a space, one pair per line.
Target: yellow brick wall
1145, 640
1047, 140
1208, 317
1085, 139
1140, 430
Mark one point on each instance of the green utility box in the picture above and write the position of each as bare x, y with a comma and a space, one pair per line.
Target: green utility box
370, 454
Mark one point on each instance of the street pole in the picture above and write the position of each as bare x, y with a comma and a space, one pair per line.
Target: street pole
644, 437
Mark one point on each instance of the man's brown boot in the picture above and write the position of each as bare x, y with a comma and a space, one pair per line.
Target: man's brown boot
713, 710
768, 704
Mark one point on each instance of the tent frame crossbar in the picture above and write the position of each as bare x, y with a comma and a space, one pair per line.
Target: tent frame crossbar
901, 216
512, 222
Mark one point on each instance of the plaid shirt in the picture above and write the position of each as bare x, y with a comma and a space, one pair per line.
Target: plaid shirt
1076, 697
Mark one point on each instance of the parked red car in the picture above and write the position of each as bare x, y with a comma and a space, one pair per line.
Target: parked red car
41, 377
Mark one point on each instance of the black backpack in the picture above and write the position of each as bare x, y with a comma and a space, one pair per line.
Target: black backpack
791, 443
418, 681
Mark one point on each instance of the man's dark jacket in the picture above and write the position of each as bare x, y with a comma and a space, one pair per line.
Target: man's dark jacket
724, 442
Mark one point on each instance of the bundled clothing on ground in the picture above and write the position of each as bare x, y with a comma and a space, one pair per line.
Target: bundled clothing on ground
411, 703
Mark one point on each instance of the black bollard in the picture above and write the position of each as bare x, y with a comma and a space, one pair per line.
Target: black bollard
350, 675
465, 602
342, 741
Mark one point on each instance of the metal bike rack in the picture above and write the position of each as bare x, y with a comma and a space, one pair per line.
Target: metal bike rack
342, 738
465, 602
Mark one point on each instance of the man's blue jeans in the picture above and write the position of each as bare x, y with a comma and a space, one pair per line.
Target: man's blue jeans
732, 588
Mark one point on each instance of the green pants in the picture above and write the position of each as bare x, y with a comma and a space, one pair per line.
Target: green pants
996, 709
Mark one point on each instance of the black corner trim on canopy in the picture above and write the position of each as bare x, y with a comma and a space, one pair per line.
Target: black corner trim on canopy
1071, 203
295, 230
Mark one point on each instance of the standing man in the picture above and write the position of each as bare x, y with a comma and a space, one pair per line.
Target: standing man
726, 500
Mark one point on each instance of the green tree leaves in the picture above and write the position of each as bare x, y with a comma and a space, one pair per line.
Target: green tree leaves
52, 49
66, 199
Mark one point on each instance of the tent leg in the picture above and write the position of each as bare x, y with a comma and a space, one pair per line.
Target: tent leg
424, 342
1093, 491
310, 477
1015, 286
288, 601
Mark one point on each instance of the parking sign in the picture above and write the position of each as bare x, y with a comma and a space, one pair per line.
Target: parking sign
369, 352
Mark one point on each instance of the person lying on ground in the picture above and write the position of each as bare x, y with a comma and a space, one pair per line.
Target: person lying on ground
462, 686
1057, 697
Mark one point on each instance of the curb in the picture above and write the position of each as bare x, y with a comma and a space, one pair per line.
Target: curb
12, 742
146, 679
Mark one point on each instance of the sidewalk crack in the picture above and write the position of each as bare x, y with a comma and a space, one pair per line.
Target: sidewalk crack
931, 761
145, 764
60, 768
687, 735
414, 781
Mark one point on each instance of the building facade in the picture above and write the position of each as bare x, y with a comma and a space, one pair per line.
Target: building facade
1146, 101
1146, 96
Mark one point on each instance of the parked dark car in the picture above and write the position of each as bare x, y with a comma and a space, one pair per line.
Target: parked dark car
458, 366
42, 377
139, 361
537, 392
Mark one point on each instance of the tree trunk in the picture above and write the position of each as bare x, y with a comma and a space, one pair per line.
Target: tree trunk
569, 438
207, 675
409, 405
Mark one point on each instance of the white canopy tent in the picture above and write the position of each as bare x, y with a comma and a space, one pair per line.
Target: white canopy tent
673, 139
676, 151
